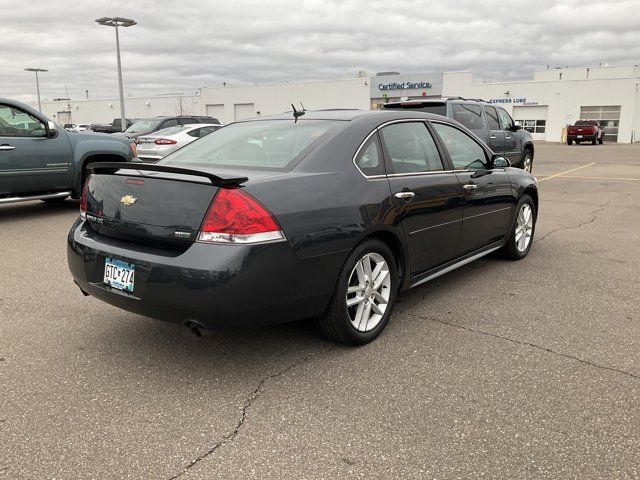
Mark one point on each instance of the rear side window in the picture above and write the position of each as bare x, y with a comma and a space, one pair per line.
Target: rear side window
506, 122
492, 118
465, 153
261, 144
369, 159
468, 115
187, 121
411, 148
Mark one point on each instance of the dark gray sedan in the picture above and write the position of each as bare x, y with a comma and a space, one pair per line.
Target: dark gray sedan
324, 215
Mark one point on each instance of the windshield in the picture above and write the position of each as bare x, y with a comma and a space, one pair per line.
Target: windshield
270, 144
143, 126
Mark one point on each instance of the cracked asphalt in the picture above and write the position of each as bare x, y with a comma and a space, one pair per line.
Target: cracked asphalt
500, 369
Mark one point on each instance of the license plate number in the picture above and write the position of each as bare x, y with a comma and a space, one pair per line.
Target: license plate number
579, 136
119, 274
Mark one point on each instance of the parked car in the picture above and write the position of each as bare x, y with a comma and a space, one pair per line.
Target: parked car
585, 131
114, 127
328, 216
41, 160
151, 125
152, 148
492, 124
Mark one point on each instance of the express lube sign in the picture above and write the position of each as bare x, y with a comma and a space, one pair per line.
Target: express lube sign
404, 86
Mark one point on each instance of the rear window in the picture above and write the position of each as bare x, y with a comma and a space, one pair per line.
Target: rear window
437, 108
269, 144
143, 126
468, 115
587, 122
172, 130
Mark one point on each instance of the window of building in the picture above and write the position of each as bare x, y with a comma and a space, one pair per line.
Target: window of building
533, 126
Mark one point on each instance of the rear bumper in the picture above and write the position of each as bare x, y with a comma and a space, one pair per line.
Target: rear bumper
216, 286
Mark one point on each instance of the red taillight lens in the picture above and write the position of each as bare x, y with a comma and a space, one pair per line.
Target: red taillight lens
165, 141
237, 217
83, 199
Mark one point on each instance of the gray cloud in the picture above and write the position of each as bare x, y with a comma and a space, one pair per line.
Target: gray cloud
181, 46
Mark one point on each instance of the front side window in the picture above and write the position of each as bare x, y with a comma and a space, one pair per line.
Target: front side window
17, 123
492, 118
465, 152
469, 115
260, 144
411, 148
506, 122
369, 159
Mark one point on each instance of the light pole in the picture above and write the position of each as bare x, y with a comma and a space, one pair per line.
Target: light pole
37, 83
118, 22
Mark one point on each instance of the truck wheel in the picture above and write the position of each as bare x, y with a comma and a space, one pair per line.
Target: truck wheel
569, 141
54, 201
527, 160
594, 141
601, 140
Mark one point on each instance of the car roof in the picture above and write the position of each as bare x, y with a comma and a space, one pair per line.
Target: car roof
431, 101
341, 114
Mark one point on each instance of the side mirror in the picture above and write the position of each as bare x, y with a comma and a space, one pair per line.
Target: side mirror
498, 161
516, 126
51, 129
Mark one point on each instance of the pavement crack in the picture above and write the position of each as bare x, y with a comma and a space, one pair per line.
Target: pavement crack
252, 397
529, 344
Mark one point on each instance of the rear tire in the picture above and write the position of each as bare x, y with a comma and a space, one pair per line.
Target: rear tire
363, 297
569, 141
594, 141
527, 160
522, 231
601, 140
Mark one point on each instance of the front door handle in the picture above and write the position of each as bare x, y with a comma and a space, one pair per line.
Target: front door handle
5, 146
507, 138
405, 195
470, 188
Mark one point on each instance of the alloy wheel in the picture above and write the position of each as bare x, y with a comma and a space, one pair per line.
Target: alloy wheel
524, 227
527, 162
368, 292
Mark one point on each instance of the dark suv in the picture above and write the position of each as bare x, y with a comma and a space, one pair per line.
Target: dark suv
150, 125
489, 122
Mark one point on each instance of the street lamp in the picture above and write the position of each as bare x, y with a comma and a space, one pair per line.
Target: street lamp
118, 22
37, 83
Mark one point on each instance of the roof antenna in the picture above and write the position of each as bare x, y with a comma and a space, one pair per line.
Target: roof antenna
297, 113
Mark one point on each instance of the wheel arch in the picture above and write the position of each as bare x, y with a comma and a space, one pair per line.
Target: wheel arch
98, 157
397, 247
529, 146
533, 193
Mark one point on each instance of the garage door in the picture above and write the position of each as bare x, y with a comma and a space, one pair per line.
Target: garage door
216, 111
533, 119
607, 115
243, 110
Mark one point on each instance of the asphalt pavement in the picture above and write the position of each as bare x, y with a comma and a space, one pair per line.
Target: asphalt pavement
501, 369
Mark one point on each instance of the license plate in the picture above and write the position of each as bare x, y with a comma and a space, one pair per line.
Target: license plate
119, 274
579, 136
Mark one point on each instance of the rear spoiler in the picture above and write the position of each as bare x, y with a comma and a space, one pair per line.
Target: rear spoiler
112, 167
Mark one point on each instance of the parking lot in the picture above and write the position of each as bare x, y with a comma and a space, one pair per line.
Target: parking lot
500, 369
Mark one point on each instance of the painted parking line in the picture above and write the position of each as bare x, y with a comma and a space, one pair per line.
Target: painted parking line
602, 178
568, 171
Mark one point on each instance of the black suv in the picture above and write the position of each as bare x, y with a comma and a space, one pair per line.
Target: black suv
490, 123
150, 125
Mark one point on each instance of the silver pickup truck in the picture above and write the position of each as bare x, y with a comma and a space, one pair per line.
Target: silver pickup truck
40, 160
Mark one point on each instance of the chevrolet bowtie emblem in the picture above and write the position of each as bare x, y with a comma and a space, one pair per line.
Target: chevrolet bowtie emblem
128, 200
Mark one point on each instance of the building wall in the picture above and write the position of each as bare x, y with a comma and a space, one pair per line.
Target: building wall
385, 88
563, 98
235, 103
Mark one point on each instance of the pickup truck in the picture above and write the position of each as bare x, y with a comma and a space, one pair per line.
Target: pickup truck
113, 127
490, 123
40, 160
585, 131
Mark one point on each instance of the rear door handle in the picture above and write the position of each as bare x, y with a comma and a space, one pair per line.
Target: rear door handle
492, 137
470, 188
406, 196
507, 138
5, 146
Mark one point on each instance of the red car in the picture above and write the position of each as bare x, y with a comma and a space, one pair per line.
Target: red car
585, 131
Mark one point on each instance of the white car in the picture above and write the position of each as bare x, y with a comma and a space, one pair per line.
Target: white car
152, 148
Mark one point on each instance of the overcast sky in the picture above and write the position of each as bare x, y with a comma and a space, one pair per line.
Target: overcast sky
179, 46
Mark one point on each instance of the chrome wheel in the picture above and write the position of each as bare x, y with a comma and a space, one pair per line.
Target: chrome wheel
368, 292
527, 161
524, 227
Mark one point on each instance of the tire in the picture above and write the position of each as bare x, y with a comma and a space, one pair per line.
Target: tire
594, 141
601, 140
339, 321
569, 141
527, 160
516, 248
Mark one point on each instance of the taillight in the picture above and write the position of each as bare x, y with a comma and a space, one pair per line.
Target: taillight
237, 217
134, 149
165, 141
83, 199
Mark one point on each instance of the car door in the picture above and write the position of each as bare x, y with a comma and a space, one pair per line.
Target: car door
496, 135
488, 203
426, 193
31, 162
512, 138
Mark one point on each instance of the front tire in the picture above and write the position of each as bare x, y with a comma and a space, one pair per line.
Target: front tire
364, 295
524, 225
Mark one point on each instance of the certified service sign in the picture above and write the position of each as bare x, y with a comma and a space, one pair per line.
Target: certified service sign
404, 85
